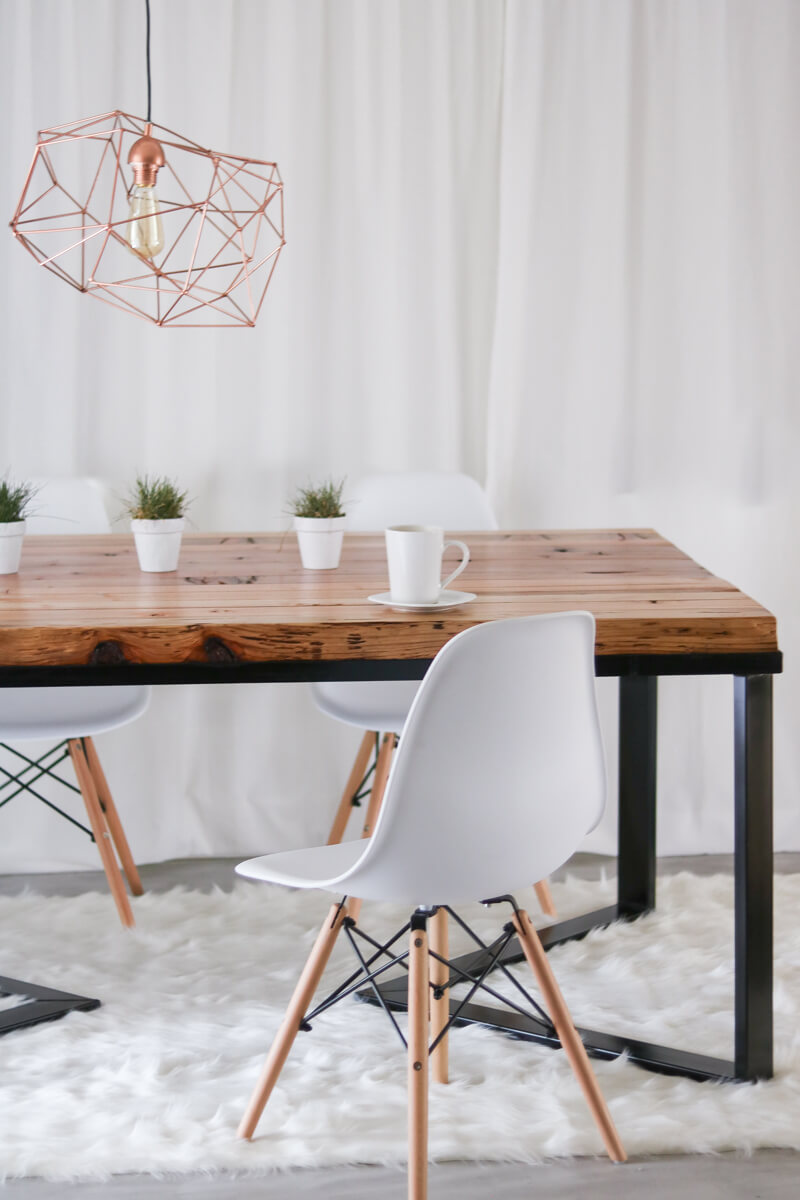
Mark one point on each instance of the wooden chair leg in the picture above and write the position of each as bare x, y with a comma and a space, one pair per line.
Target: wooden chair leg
298, 1007
418, 979
568, 1034
379, 783
346, 803
440, 1007
112, 818
100, 830
375, 800
545, 898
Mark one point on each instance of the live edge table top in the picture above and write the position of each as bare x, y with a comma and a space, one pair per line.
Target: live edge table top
245, 599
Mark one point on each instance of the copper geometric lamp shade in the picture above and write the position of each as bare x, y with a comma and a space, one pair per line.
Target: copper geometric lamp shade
222, 219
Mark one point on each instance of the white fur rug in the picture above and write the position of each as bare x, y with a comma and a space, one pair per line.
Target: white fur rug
157, 1079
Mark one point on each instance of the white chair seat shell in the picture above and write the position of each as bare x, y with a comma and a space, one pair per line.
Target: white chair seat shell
499, 774
56, 712
305, 868
380, 704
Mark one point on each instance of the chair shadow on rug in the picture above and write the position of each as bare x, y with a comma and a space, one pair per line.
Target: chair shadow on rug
480, 796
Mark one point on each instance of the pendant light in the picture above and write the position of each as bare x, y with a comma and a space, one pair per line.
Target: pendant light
151, 222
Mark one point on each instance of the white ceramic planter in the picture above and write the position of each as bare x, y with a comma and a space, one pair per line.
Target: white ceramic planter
320, 541
11, 535
158, 543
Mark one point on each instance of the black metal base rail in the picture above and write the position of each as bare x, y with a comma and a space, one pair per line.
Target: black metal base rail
665, 1060
44, 1004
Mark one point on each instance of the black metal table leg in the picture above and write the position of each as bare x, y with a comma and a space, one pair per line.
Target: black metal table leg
636, 837
753, 874
45, 1004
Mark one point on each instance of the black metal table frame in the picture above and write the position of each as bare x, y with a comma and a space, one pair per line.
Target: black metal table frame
43, 1004
636, 889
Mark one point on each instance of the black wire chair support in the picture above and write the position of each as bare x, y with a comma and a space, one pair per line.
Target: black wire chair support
511, 931
358, 978
368, 973
36, 769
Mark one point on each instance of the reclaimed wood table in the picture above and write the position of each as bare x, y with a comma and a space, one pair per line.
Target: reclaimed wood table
241, 608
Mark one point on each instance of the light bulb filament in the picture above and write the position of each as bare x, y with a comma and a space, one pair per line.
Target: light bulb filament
145, 234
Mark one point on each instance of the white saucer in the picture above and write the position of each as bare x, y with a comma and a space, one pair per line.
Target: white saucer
446, 600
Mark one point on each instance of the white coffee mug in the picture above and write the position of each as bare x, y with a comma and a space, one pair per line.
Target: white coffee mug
415, 563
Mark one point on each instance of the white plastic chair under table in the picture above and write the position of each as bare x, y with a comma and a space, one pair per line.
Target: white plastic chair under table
456, 502
73, 715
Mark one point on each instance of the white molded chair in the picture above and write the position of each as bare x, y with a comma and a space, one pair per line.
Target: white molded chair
478, 796
454, 501
457, 503
73, 715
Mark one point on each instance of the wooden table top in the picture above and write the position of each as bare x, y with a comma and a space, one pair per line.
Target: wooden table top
247, 598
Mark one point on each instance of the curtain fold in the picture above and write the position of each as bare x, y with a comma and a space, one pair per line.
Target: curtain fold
549, 242
645, 343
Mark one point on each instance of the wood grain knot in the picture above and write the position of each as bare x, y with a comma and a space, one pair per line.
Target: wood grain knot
221, 579
107, 654
217, 652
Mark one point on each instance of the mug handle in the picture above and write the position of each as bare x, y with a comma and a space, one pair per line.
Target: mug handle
465, 552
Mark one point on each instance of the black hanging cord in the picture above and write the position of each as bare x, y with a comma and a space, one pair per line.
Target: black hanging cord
147, 9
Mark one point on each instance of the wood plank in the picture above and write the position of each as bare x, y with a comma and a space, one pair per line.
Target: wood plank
245, 597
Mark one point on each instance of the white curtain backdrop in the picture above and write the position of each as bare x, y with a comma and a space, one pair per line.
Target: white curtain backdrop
549, 242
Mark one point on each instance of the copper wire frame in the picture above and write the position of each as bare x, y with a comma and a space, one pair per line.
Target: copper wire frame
220, 249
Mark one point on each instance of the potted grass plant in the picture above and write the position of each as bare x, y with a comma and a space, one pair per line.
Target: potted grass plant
157, 508
15, 499
319, 523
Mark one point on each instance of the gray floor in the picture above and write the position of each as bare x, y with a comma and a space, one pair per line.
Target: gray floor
766, 1175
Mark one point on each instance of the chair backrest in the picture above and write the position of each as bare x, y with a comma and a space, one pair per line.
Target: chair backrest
68, 506
444, 498
500, 770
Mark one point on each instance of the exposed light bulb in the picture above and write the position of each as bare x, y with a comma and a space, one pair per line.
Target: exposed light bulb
144, 231
145, 234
